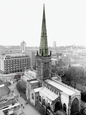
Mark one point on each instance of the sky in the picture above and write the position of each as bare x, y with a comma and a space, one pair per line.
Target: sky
21, 20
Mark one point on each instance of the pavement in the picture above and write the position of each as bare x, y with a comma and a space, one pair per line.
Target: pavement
28, 109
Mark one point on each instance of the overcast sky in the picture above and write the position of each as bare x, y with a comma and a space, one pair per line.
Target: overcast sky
22, 19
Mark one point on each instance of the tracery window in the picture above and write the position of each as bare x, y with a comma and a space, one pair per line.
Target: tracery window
40, 98
32, 96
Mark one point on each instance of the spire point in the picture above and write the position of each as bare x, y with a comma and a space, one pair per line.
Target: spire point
44, 6
43, 42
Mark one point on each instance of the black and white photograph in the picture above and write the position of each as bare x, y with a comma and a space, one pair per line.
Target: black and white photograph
42, 57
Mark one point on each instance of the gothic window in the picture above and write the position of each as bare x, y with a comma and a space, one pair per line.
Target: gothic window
58, 106
54, 91
48, 106
40, 98
43, 102
32, 96
75, 106
49, 87
57, 92
64, 107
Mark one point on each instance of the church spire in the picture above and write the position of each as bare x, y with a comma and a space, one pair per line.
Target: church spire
43, 50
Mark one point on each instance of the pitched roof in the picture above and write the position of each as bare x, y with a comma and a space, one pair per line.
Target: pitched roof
9, 102
4, 90
64, 88
49, 94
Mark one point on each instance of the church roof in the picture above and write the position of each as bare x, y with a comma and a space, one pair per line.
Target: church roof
34, 81
37, 89
64, 88
49, 94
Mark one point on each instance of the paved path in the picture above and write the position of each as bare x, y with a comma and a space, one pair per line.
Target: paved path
28, 109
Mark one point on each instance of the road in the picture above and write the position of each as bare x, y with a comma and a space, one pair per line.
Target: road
28, 109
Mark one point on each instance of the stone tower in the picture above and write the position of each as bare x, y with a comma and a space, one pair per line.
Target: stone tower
43, 57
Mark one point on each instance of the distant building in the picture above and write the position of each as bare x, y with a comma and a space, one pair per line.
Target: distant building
10, 49
54, 48
33, 58
30, 73
54, 61
54, 45
23, 46
12, 63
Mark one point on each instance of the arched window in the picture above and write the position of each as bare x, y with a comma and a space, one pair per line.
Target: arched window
57, 92
48, 106
75, 106
43, 101
58, 106
39, 98
64, 107
32, 96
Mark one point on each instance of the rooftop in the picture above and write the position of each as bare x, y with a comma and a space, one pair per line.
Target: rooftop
64, 88
27, 78
37, 89
31, 71
49, 94
9, 102
4, 90
34, 81
15, 55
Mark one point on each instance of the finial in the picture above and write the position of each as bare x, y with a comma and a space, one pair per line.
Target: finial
43, 6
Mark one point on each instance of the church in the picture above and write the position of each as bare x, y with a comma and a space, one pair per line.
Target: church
53, 95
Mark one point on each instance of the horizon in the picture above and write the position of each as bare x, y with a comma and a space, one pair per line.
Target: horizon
39, 45
22, 20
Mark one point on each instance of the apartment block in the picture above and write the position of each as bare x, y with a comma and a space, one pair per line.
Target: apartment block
12, 63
